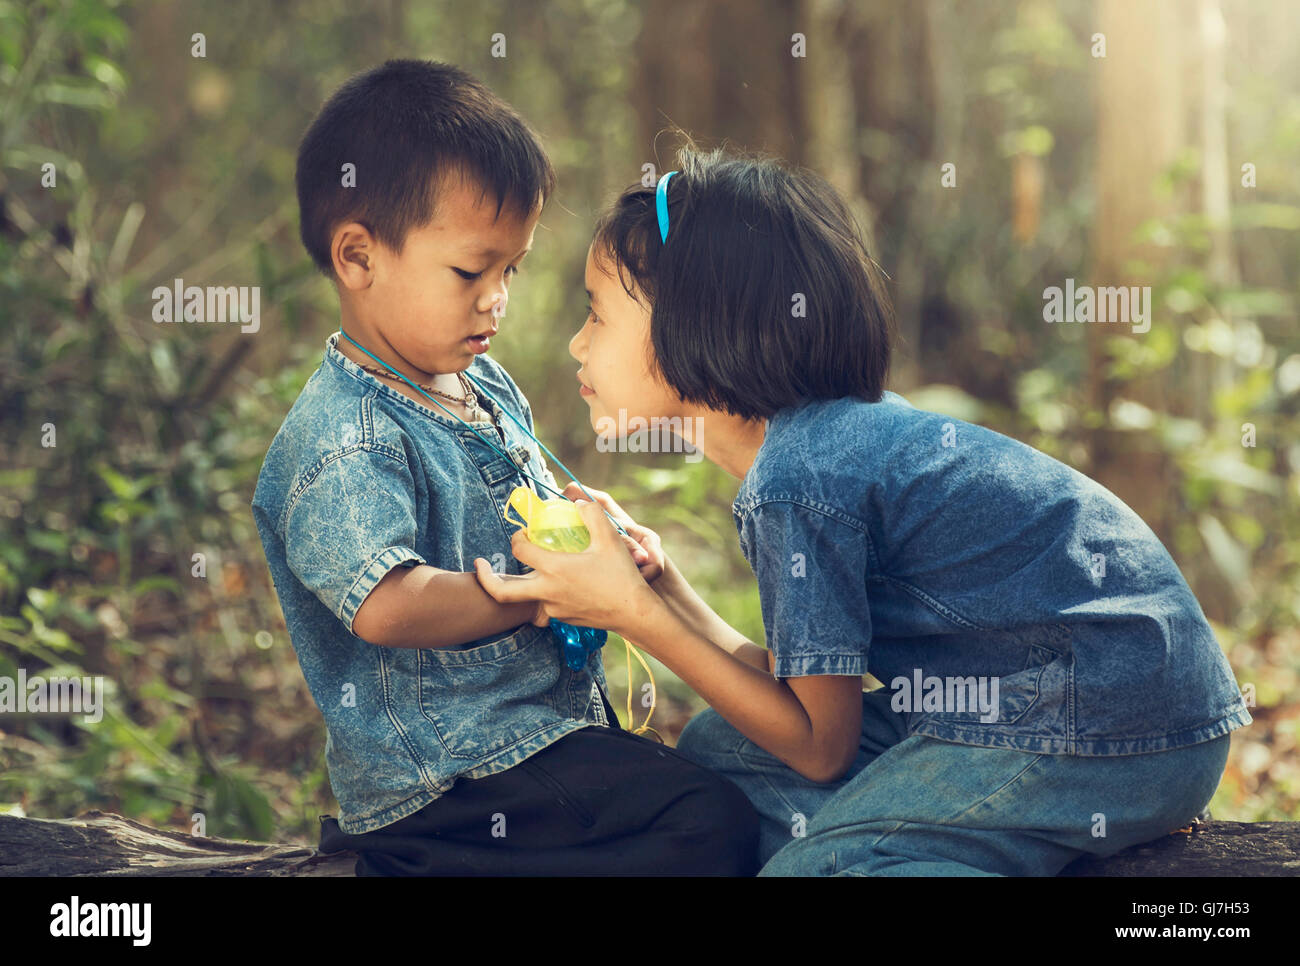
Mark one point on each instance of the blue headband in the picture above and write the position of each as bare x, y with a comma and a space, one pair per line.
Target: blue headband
661, 206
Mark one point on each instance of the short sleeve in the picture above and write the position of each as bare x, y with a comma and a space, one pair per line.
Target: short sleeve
351, 525
811, 570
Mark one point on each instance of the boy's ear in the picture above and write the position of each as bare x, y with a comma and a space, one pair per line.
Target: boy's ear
353, 255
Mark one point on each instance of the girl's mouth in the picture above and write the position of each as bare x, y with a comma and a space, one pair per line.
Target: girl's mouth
478, 343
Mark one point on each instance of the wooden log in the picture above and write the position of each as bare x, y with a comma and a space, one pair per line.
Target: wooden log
105, 844
1211, 848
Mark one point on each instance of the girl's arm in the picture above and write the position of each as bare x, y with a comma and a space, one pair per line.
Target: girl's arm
426, 606
813, 724
690, 608
672, 587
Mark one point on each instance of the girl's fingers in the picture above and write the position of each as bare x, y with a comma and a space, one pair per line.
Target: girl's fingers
485, 574
574, 492
650, 541
525, 551
598, 525
651, 572
635, 549
508, 588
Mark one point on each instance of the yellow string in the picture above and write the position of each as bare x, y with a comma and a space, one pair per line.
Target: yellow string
645, 725
630, 650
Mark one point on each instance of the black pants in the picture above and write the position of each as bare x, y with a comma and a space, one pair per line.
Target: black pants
599, 801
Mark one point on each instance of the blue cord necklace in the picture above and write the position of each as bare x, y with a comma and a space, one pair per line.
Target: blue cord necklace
576, 642
496, 449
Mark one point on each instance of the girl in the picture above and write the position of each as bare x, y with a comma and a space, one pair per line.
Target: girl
1052, 687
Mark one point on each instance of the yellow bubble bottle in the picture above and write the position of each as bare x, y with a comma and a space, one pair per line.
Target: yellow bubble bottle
557, 525
550, 524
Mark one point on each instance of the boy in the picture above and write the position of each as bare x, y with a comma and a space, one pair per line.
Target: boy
457, 739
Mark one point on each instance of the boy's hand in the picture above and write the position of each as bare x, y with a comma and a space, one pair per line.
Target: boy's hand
642, 543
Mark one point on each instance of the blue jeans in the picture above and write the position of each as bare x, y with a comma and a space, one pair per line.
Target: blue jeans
918, 806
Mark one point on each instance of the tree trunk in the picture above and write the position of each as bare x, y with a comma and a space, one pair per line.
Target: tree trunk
1141, 130
103, 844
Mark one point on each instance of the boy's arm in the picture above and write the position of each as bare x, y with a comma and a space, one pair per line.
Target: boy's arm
361, 563
424, 606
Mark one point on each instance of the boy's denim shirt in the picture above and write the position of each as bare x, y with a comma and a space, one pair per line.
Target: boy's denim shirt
925, 549
361, 479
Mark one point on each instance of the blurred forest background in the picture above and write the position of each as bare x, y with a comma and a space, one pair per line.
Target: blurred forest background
1172, 162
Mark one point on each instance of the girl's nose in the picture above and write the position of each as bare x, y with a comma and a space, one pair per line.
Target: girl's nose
497, 305
578, 344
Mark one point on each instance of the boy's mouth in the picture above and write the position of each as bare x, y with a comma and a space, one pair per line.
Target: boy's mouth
480, 343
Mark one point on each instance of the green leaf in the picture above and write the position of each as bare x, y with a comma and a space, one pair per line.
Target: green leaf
1230, 470
1228, 555
169, 584
75, 94
946, 400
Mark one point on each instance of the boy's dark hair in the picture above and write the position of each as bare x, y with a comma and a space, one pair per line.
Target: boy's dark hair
407, 126
748, 235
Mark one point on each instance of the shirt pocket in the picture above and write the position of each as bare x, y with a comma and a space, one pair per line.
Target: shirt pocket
484, 699
1015, 693
491, 464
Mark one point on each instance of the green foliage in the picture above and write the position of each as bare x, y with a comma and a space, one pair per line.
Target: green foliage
169, 166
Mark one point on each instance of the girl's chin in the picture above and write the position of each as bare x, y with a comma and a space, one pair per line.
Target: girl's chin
604, 425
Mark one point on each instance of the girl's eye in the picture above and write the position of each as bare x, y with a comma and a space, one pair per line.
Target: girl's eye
592, 315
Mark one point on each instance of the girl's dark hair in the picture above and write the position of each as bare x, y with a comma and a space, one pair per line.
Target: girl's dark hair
406, 126
763, 296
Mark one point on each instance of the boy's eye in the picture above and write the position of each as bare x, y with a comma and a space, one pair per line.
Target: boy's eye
592, 315
474, 276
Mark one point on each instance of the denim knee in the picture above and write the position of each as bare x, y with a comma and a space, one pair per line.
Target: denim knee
824, 855
707, 735
1202, 774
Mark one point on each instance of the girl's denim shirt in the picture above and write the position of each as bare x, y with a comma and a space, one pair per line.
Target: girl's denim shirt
1006, 599
361, 479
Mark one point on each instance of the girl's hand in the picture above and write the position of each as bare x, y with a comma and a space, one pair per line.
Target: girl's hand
642, 542
599, 587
